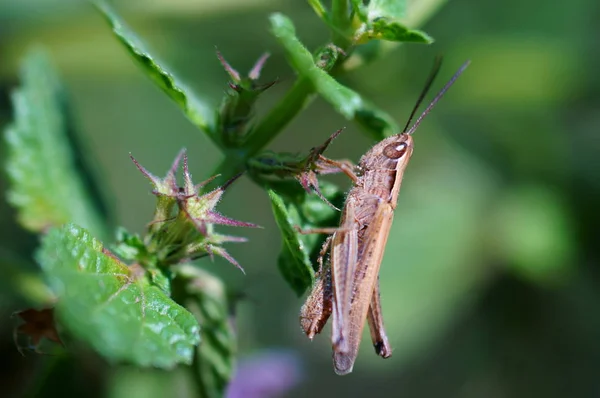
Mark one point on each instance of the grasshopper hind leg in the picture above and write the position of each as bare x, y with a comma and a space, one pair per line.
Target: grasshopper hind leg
375, 319
316, 311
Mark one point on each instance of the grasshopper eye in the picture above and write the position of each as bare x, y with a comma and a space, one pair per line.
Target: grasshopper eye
395, 151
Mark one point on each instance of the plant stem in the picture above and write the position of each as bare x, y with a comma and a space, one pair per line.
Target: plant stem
340, 19
180, 295
196, 373
339, 12
294, 101
298, 97
302, 92
231, 165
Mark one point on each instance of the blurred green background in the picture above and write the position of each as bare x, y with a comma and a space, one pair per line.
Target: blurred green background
490, 282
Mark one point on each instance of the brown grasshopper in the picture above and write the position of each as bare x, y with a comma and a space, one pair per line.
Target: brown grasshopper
348, 287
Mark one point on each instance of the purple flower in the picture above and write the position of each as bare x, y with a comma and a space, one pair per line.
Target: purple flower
265, 375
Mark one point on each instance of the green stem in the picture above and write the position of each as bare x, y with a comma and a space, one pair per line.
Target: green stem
302, 92
340, 18
180, 296
294, 101
229, 167
196, 373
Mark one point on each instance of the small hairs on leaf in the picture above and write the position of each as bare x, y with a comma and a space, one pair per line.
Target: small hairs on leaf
112, 306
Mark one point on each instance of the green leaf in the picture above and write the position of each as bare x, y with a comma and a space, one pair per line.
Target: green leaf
195, 109
381, 21
385, 29
317, 213
294, 260
344, 100
293, 207
161, 279
45, 185
393, 9
131, 247
112, 306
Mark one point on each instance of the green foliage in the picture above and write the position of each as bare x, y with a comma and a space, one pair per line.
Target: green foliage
292, 209
394, 9
45, 186
127, 303
380, 20
215, 357
344, 100
189, 102
384, 29
114, 307
495, 233
294, 259
131, 247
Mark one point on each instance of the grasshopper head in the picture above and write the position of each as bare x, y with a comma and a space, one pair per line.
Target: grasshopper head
389, 153
400, 146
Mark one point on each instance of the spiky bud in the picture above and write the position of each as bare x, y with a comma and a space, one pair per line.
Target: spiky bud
237, 107
184, 220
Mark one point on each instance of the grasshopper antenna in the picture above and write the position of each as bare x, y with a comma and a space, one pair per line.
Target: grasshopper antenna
439, 95
437, 64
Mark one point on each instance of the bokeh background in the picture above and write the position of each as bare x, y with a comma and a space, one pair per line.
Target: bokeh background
490, 282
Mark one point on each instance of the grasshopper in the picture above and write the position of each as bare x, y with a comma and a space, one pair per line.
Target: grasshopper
347, 288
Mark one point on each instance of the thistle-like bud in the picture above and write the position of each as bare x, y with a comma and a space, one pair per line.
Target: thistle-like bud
237, 107
183, 224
